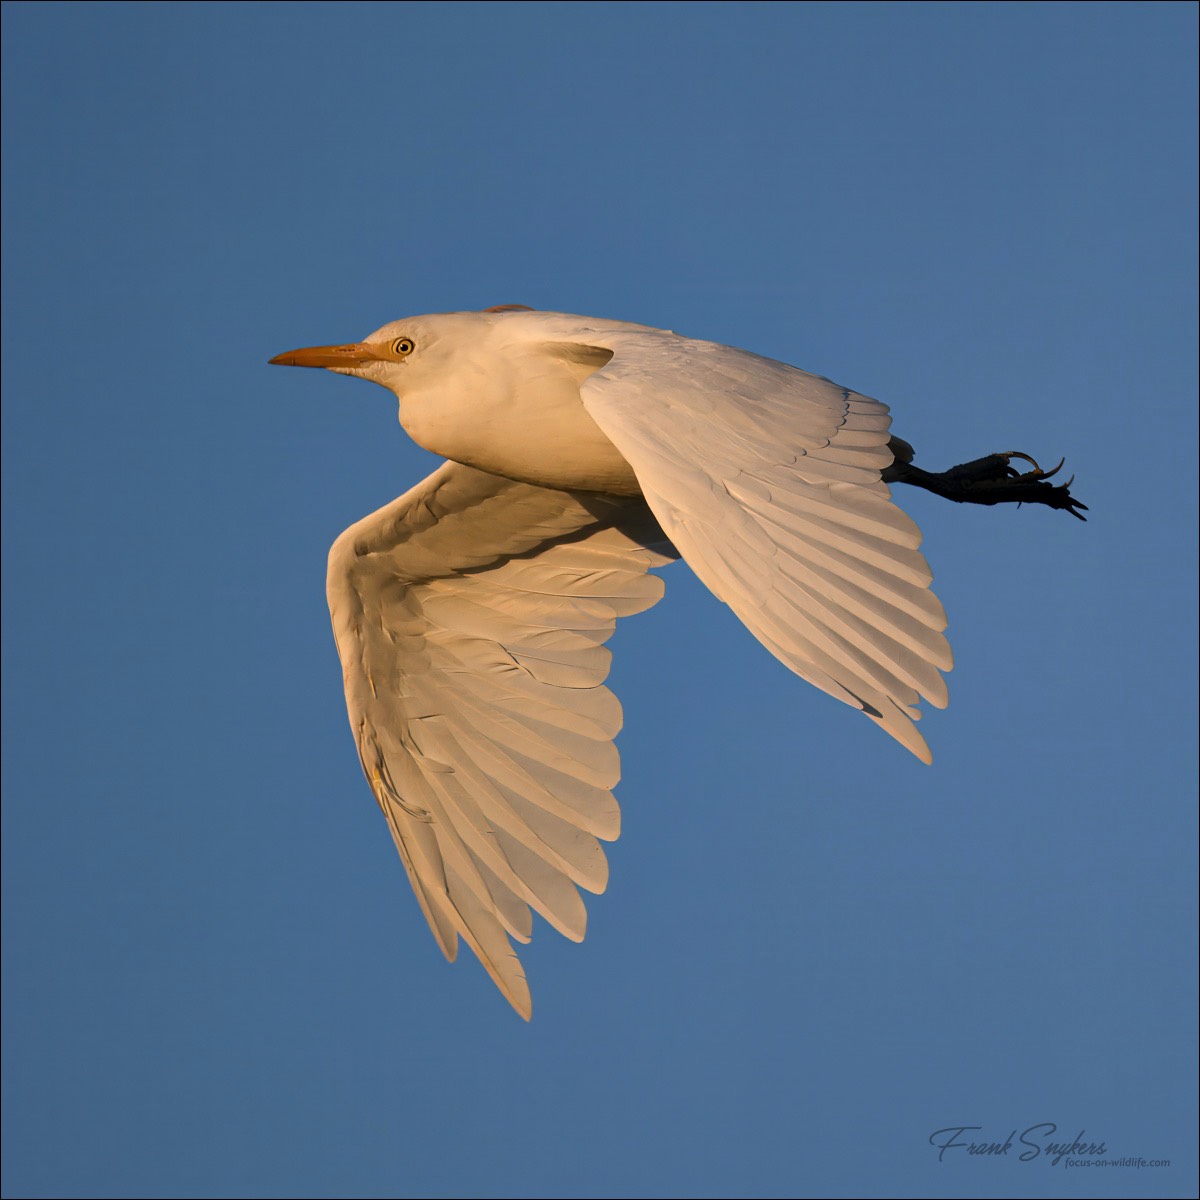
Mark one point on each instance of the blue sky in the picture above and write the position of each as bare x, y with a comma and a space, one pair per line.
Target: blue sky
814, 951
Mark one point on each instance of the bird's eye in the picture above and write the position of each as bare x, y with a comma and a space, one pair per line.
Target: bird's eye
403, 347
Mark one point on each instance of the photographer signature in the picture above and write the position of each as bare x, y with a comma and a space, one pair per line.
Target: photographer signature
1033, 1142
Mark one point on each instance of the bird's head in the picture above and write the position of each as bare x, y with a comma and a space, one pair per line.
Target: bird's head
472, 386
406, 356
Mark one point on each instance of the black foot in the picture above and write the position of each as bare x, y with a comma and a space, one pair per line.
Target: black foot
990, 480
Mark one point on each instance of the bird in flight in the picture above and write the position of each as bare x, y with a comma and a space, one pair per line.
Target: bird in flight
471, 613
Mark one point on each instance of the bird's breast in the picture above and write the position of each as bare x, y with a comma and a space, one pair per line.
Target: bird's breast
534, 429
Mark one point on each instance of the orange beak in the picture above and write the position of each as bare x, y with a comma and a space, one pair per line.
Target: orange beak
352, 355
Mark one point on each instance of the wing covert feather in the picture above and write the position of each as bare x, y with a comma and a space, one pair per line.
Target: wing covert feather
470, 616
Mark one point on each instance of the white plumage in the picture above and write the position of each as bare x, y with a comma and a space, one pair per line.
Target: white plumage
471, 613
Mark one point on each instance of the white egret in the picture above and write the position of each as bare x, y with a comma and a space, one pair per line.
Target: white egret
470, 614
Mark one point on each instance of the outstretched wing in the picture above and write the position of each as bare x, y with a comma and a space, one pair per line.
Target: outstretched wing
470, 617
767, 479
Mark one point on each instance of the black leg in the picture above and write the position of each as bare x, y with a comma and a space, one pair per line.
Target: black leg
990, 480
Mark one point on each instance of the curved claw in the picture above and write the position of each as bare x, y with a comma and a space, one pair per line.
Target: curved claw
1018, 454
1037, 471
1067, 502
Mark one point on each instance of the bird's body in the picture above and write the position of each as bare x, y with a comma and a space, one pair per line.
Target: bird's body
470, 614
515, 408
